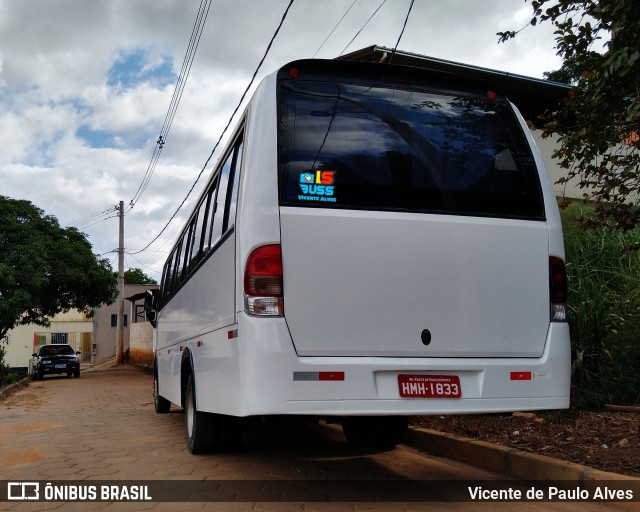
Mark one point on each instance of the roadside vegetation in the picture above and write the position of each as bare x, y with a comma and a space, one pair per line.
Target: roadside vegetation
45, 269
6, 376
603, 268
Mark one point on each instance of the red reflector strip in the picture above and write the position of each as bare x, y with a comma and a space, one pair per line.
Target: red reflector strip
317, 376
232, 334
331, 375
199, 344
521, 376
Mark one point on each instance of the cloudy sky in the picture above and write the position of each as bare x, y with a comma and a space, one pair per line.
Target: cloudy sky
85, 86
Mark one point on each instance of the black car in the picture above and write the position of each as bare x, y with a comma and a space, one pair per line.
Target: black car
55, 359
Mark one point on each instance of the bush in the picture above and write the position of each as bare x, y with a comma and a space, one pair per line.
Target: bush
6, 375
603, 268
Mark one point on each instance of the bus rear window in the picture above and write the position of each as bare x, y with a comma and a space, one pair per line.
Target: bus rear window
380, 148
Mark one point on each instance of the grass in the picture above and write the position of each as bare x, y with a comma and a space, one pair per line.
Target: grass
603, 268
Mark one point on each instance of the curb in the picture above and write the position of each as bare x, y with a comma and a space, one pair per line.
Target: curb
109, 365
507, 461
18, 384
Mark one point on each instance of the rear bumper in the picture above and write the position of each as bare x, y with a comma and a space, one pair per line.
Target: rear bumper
272, 382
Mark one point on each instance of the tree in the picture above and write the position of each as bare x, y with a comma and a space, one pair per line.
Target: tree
46, 269
599, 122
573, 68
137, 276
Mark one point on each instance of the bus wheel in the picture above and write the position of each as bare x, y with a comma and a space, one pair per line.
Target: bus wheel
197, 424
208, 432
378, 431
160, 403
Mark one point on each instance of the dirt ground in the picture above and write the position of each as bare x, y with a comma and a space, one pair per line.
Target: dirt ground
605, 440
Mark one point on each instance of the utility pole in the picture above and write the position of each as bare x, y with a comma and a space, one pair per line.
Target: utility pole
120, 341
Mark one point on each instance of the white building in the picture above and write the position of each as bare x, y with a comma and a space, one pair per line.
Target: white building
73, 328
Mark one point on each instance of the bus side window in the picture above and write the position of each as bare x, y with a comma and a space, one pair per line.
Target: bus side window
209, 221
185, 246
232, 192
167, 279
220, 200
225, 198
169, 285
197, 238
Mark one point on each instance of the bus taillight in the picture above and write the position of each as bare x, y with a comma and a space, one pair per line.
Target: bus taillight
558, 289
263, 281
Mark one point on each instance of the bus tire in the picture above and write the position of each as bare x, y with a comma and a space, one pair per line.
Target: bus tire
208, 432
375, 431
197, 424
160, 403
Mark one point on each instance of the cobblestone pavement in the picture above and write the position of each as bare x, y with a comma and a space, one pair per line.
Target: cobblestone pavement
102, 427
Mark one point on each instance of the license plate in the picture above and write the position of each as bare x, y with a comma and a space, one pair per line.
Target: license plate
429, 386
61, 366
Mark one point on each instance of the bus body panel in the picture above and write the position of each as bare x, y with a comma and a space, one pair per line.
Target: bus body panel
552, 212
258, 218
269, 365
204, 304
370, 283
254, 374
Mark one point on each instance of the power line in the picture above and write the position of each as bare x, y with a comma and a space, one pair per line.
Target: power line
255, 73
107, 252
334, 29
402, 32
142, 263
365, 24
99, 221
194, 41
196, 33
91, 218
159, 255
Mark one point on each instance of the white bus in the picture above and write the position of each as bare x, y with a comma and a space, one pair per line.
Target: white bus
375, 242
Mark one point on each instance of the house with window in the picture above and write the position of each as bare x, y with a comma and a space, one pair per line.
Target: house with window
105, 323
141, 332
74, 328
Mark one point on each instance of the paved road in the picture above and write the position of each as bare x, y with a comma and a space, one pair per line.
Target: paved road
103, 427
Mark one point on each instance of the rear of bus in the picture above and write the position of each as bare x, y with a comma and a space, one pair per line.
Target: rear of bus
420, 263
